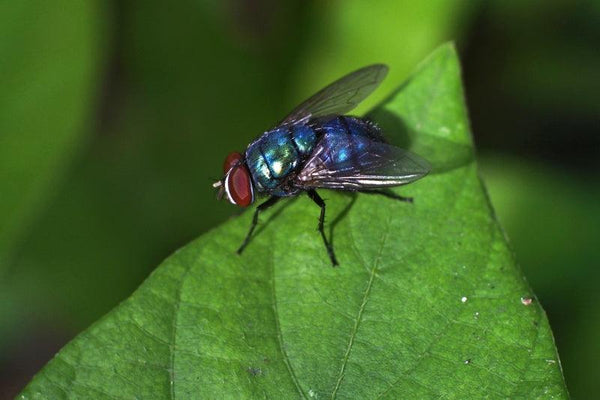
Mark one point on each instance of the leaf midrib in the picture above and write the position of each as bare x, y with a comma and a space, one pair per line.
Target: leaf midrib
360, 311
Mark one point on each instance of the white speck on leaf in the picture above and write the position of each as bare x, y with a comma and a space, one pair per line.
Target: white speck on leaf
526, 301
464, 299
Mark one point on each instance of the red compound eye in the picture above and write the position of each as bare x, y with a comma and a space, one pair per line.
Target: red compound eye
231, 160
238, 184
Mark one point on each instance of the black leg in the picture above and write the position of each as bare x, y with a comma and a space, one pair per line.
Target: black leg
319, 201
263, 206
388, 193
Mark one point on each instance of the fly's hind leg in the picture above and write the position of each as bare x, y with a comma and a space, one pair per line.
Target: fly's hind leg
263, 206
319, 201
388, 193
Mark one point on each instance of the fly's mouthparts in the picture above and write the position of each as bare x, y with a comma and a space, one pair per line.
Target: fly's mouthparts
221, 191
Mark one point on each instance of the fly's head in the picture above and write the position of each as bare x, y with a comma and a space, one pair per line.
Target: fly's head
236, 185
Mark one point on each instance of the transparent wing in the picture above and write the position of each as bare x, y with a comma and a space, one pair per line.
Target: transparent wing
351, 162
341, 96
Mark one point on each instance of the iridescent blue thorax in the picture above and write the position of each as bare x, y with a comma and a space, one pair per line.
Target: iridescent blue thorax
279, 153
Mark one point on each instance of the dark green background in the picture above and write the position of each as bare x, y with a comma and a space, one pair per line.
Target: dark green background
115, 118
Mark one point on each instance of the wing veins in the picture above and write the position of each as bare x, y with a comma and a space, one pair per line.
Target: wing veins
340, 96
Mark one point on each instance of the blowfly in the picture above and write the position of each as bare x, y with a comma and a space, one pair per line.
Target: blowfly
318, 147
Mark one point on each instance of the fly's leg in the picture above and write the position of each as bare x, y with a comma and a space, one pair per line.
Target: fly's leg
389, 194
263, 206
319, 201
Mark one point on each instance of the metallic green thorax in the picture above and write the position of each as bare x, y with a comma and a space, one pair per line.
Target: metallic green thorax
277, 153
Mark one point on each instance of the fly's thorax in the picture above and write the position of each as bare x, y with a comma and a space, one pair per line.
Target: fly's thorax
277, 154
304, 138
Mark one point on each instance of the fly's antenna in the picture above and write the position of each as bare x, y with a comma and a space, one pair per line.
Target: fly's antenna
220, 188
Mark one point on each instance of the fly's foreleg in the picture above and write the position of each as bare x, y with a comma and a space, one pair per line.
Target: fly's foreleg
263, 206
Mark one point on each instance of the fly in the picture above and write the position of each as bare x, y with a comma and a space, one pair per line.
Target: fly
318, 147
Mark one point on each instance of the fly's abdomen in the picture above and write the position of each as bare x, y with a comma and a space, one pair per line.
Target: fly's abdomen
352, 126
344, 140
277, 153
342, 151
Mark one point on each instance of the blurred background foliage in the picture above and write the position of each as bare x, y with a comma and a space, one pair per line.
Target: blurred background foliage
115, 117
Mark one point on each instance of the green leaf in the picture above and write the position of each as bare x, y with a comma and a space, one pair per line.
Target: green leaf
427, 302
50, 58
561, 259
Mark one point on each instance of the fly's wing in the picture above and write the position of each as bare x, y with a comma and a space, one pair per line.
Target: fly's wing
341, 96
351, 162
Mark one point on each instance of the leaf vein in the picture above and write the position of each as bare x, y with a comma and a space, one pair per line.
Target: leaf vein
360, 313
286, 359
172, 346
